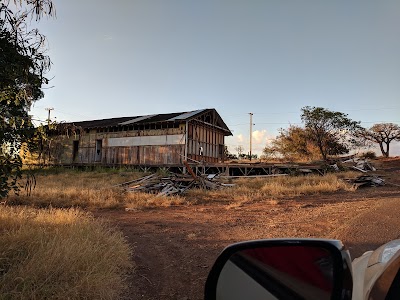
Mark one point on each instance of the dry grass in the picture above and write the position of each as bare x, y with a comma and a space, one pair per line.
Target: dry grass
59, 254
275, 188
89, 190
94, 190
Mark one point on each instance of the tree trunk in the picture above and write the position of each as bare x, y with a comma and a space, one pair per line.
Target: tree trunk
387, 149
321, 149
384, 153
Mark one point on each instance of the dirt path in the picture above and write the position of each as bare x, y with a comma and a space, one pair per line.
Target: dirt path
376, 226
175, 247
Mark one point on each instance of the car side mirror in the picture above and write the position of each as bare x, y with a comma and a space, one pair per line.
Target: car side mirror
384, 269
281, 269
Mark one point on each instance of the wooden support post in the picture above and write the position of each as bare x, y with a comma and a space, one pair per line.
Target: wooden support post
189, 169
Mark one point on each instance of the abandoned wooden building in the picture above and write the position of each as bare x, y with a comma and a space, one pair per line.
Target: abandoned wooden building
152, 140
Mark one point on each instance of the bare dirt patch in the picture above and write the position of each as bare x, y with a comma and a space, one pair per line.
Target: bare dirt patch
175, 247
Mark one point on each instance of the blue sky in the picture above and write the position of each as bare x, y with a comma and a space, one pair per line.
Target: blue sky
271, 58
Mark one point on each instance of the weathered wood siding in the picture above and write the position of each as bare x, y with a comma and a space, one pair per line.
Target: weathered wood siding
208, 137
125, 154
143, 155
153, 144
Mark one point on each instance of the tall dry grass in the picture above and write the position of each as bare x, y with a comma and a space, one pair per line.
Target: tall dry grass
276, 188
89, 189
59, 254
95, 190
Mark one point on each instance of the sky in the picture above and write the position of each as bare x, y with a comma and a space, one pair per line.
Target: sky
270, 58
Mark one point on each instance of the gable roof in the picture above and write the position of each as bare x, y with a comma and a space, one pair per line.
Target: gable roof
156, 118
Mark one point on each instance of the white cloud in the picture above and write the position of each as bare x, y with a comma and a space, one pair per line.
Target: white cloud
258, 136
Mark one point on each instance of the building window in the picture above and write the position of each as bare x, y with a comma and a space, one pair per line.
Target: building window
75, 149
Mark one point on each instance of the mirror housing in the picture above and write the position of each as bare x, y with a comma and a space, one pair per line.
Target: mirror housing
281, 269
383, 272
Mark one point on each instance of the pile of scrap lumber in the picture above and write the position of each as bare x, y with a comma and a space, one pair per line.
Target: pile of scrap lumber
368, 180
359, 164
172, 185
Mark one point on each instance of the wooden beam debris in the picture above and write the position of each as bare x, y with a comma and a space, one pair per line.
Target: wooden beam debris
172, 185
135, 181
367, 180
361, 165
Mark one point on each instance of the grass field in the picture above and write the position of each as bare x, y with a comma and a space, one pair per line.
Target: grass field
51, 248
97, 190
59, 254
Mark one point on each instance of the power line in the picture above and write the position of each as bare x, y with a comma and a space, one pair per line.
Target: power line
347, 110
231, 125
65, 113
297, 123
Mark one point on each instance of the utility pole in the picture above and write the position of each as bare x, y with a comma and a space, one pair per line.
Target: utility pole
49, 109
251, 131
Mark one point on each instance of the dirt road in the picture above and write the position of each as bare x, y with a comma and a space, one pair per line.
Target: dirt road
174, 247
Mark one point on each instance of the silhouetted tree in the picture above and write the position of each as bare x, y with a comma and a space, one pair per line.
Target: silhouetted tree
382, 134
333, 132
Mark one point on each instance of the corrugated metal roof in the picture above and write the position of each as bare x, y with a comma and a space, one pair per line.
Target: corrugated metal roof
138, 119
102, 122
187, 115
161, 118
156, 118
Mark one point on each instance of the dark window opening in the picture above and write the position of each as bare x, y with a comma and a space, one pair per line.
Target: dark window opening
221, 149
75, 148
98, 150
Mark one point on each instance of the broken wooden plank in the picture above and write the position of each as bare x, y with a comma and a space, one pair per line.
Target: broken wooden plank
252, 176
189, 169
138, 180
358, 169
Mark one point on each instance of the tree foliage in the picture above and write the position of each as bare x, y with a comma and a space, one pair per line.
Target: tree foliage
228, 155
293, 143
239, 149
382, 134
23, 64
333, 132
325, 133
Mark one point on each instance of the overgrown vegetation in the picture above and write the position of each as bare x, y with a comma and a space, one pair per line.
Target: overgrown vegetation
48, 252
276, 188
293, 144
325, 133
97, 190
59, 254
332, 132
45, 145
23, 64
88, 189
